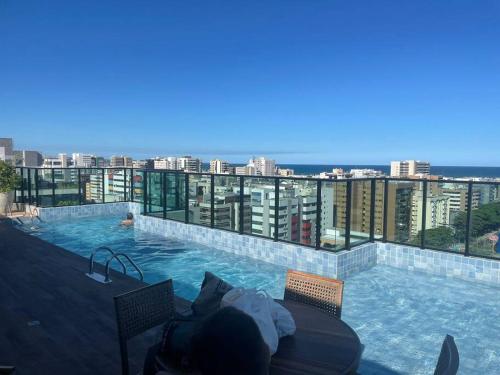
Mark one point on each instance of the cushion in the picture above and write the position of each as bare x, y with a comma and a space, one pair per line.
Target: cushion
212, 290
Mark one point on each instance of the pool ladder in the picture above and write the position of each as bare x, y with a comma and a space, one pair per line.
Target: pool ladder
105, 279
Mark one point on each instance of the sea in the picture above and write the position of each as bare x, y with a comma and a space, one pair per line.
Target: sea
446, 171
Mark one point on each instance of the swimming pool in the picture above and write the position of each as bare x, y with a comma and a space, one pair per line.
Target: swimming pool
401, 317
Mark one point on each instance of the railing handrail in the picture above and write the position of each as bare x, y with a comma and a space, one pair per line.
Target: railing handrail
91, 260
116, 255
137, 190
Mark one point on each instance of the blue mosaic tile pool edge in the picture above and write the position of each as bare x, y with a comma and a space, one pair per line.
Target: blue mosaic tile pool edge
338, 265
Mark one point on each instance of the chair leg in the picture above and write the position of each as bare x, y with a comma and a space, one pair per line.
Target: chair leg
124, 355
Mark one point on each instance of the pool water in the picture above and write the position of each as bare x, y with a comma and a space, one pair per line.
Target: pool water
401, 317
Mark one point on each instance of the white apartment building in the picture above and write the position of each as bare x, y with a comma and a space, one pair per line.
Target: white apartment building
6, 149
60, 162
82, 160
263, 166
245, 171
166, 163
459, 196
219, 166
437, 212
407, 168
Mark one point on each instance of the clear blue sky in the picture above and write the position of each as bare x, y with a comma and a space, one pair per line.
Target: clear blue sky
300, 81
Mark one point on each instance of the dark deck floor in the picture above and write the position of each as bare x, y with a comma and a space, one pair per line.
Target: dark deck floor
76, 333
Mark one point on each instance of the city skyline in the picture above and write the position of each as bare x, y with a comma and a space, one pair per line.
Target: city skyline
297, 82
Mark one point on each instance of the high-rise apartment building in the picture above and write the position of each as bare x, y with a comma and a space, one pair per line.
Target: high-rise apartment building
409, 168
263, 166
61, 161
189, 164
6, 150
459, 196
165, 163
437, 212
247, 170
82, 160
28, 158
219, 166
121, 161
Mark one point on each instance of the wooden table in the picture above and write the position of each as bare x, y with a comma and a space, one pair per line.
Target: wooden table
322, 344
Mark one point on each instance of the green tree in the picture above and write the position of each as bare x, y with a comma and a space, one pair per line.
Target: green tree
9, 179
440, 238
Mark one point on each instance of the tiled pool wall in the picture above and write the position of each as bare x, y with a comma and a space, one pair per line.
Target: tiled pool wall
294, 256
70, 212
338, 265
439, 263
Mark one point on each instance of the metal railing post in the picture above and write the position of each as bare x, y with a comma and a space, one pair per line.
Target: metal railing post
276, 207
186, 198
469, 219
53, 178
131, 193
212, 200
373, 188
348, 215
424, 214
241, 219
386, 208
124, 184
318, 214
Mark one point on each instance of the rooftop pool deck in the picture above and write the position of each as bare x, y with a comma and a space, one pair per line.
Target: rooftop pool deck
400, 316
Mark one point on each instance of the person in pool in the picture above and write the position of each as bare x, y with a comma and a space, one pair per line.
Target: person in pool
129, 221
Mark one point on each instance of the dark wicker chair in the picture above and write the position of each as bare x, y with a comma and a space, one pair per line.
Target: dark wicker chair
142, 309
448, 358
321, 292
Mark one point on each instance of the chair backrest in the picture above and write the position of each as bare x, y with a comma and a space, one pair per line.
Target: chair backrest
142, 309
448, 358
321, 292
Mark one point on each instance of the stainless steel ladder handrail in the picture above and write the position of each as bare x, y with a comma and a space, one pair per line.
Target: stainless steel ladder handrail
91, 260
116, 255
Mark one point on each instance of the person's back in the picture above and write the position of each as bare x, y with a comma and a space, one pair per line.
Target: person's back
230, 342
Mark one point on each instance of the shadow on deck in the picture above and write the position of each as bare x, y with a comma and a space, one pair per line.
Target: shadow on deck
53, 318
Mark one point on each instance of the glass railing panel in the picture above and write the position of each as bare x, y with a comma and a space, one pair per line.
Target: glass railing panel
445, 216
176, 196
378, 229
45, 188
226, 202
138, 186
114, 185
19, 196
91, 185
360, 211
154, 206
333, 215
66, 187
404, 211
485, 221
257, 218
297, 211
199, 199
24, 187
128, 184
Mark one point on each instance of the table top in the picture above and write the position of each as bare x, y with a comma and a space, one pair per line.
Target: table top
322, 344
